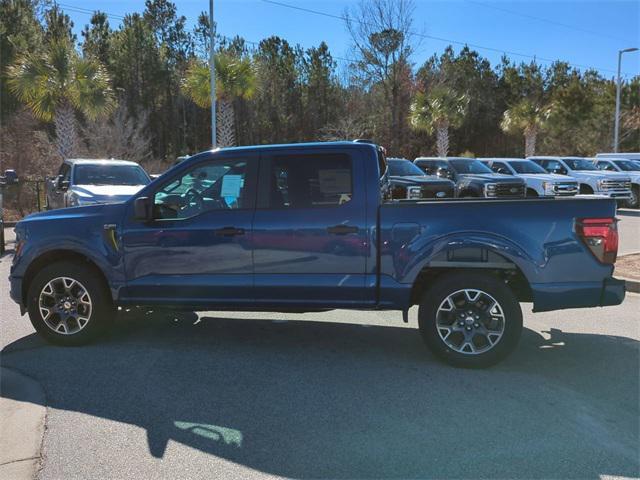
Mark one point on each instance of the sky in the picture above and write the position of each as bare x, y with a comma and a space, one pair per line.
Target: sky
585, 33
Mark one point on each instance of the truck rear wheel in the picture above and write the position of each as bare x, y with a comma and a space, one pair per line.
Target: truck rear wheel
69, 304
470, 319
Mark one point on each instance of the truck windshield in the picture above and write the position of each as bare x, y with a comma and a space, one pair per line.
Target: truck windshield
403, 168
469, 166
580, 164
527, 167
627, 165
106, 174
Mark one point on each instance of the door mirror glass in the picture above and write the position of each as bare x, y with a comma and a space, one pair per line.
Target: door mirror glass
142, 209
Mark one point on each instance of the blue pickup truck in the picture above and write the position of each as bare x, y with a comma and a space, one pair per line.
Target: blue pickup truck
309, 227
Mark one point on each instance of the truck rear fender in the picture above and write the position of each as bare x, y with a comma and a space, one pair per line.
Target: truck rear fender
494, 254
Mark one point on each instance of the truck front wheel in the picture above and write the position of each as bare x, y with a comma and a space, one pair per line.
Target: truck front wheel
470, 319
68, 304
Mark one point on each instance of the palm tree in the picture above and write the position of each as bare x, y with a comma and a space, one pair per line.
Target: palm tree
526, 117
56, 83
235, 78
438, 110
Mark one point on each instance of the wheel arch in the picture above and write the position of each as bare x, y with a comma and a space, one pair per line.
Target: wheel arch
51, 256
478, 259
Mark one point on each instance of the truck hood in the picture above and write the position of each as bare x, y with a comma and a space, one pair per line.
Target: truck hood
419, 180
547, 177
99, 209
492, 177
601, 175
106, 193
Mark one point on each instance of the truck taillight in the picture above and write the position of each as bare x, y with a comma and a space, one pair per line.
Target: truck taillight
601, 236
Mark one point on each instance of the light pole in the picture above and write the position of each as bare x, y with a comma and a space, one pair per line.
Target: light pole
212, 70
616, 131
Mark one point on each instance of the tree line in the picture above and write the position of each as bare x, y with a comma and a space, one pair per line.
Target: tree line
141, 91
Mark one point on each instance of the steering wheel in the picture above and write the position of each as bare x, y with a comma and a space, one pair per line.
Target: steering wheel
193, 195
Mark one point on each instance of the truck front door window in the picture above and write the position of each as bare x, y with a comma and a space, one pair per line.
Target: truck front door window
216, 185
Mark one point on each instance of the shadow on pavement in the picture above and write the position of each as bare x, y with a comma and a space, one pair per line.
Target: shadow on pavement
309, 399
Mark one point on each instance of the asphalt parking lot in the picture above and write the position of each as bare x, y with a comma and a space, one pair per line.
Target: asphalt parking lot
335, 395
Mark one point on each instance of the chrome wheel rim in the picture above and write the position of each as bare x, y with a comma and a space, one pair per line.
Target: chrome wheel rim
470, 321
65, 305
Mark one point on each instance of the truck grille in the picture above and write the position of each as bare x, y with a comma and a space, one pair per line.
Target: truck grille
565, 189
437, 191
508, 190
615, 185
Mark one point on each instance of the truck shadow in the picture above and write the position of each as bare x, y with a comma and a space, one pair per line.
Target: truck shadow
309, 399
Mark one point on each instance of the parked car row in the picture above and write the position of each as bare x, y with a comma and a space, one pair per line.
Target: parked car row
541, 176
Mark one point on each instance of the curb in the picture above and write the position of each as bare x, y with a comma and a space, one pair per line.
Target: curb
22, 421
631, 285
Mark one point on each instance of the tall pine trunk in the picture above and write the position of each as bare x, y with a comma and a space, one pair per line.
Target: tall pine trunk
225, 128
530, 136
442, 139
65, 124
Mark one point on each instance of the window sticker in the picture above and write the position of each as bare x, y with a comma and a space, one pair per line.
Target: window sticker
335, 181
231, 185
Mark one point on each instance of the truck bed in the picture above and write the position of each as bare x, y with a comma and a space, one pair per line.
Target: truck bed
536, 237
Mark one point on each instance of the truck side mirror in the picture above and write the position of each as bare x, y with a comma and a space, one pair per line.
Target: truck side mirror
142, 209
10, 177
61, 184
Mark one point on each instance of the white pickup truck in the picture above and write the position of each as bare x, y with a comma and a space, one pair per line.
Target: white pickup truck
83, 182
539, 182
591, 181
628, 167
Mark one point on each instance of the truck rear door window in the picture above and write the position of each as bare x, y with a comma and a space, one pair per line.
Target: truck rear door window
307, 181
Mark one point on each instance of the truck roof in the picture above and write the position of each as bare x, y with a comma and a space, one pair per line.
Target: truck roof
98, 161
504, 159
445, 158
556, 157
292, 146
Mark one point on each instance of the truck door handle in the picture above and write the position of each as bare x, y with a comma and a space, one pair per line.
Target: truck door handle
229, 231
342, 229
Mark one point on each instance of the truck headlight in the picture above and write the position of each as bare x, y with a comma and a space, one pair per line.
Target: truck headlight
490, 190
549, 188
599, 184
414, 193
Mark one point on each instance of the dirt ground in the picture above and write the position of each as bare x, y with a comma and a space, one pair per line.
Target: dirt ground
628, 266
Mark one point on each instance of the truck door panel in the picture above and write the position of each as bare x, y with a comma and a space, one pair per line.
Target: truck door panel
310, 238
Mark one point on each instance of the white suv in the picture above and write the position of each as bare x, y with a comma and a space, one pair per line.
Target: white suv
539, 182
590, 180
628, 167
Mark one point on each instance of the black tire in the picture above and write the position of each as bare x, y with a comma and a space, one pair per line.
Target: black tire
634, 201
445, 286
102, 310
585, 189
532, 193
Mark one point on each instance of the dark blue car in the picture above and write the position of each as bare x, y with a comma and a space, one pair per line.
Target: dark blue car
306, 227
